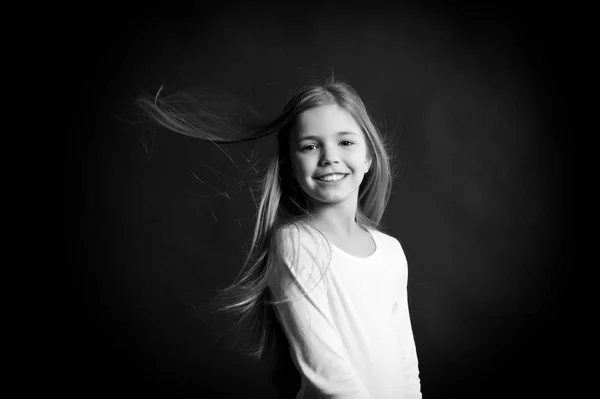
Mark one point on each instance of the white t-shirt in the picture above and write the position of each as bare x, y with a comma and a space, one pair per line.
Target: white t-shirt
349, 332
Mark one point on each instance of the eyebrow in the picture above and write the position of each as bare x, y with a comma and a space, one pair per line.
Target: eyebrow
311, 137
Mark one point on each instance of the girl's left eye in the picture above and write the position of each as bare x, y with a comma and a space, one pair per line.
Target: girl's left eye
348, 142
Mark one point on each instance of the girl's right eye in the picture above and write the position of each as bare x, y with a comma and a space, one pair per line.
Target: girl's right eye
307, 147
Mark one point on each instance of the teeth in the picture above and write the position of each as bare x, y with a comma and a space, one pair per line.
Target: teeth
335, 177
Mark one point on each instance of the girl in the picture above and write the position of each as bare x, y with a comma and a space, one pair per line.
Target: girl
320, 273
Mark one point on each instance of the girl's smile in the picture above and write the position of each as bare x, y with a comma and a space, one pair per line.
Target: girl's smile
332, 179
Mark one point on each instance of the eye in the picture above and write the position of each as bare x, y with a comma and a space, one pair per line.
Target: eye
307, 147
349, 143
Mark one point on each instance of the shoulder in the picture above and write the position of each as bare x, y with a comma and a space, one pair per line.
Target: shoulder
386, 240
298, 242
298, 249
294, 234
390, 247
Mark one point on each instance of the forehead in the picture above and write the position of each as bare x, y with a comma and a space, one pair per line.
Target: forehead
324, 121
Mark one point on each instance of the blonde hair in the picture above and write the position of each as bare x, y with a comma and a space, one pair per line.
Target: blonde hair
282, 202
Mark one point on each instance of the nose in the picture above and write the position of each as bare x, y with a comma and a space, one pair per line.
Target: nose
329, 156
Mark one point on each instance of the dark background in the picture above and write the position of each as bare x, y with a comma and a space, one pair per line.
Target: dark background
471, 96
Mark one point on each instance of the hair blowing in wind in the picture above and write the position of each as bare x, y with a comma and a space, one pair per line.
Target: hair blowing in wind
281, 200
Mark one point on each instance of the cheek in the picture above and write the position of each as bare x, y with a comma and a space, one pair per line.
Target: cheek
301, 166
359, 162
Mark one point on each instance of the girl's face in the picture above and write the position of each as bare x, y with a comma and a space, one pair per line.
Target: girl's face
329, 154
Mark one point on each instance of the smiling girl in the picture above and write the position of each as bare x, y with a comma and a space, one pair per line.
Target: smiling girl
321, 272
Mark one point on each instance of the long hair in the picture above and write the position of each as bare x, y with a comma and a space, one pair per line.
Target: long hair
282, 201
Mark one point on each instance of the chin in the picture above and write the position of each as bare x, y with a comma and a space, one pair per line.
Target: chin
332, 198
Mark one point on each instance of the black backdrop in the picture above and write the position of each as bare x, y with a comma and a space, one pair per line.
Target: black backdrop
470, 96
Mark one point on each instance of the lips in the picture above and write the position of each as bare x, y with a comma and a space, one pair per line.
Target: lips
329, 174
332, 177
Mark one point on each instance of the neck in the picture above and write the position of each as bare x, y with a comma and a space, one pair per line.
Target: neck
338, 219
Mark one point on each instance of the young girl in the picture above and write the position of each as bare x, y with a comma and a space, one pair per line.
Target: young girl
319, 271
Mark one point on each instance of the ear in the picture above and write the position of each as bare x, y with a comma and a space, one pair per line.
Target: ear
368, 164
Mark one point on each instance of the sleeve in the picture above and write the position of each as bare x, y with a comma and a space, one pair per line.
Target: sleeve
314, 340
412, 382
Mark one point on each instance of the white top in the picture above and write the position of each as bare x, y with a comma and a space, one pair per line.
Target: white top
350, 337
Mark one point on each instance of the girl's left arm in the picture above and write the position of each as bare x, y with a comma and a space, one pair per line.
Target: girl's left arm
412, 381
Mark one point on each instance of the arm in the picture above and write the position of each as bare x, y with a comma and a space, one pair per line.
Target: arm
315, 342
412, 381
